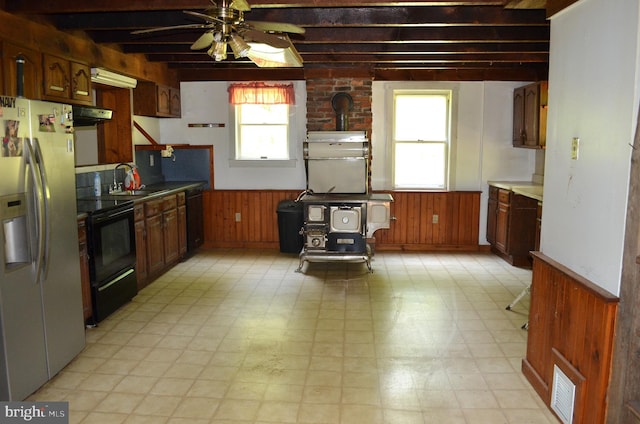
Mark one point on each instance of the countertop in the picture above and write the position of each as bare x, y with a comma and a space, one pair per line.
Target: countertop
524, 188
144, 194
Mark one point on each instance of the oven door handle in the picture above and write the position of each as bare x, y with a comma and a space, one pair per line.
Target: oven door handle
98, 218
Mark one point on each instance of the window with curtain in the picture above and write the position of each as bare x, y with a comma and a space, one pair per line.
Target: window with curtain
262, 120
421, 139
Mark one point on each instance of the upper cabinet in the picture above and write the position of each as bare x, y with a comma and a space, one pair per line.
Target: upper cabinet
31, 69
151, 99
65, 80
530, 115
114, 135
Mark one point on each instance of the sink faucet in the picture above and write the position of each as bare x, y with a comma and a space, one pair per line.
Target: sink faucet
117, 187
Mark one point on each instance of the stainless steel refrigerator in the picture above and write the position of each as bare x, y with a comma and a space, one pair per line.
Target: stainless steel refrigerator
41, 320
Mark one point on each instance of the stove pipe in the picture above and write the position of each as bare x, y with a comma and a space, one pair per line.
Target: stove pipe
342, 103
20, 75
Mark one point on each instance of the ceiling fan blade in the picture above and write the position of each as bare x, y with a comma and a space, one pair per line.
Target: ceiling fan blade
240, 5
204, 16
203, 42
276, 27
263, 37
188, 26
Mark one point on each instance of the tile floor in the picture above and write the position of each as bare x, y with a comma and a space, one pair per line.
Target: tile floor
237, 336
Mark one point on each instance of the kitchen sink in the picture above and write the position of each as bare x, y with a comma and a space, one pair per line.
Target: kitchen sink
130, 193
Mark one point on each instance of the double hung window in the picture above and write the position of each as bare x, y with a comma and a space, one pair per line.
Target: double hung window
421, 139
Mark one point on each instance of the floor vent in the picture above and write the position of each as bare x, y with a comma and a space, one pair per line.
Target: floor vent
563, 395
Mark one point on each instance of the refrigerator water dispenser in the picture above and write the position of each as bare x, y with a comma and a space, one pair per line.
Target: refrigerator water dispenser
14, 228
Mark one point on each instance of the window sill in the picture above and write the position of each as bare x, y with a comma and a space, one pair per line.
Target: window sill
264, 163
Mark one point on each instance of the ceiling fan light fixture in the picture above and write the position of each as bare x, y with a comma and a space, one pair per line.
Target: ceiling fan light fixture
266, 56
239, 46
218, 51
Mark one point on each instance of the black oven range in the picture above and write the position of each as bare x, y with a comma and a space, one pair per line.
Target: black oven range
112, 254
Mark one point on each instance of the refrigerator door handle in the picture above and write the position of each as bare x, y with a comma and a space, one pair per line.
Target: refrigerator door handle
38, 210
45, 207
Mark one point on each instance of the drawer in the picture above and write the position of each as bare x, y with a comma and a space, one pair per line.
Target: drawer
153, 207
138, 212
169, 202
504, 196
181, 198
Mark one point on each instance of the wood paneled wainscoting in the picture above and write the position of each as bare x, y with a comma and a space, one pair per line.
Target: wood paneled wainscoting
571, 326
454, 227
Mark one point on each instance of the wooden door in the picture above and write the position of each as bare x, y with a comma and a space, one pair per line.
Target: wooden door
492, 215
32, 71
81, 83
171, 246
175, 106
164, 100
502, 227
155, 244
57, 84
531, 114
518, 117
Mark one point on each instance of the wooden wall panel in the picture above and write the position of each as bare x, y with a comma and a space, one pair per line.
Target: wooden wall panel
572, 320
457, 227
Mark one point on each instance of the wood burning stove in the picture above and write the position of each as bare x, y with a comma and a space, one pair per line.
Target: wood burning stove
340, 216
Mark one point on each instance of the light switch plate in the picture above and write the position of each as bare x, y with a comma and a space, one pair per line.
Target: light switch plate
575, 148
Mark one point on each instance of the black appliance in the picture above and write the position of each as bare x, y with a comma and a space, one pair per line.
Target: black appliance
112, 254
195, 226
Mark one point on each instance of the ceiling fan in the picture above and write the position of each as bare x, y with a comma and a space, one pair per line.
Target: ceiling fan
265, 43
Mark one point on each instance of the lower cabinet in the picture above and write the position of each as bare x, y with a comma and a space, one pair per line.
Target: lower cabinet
141, 245
161, 229
511, 225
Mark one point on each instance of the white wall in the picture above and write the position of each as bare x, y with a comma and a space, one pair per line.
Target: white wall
482, 138
207, 102
593, 95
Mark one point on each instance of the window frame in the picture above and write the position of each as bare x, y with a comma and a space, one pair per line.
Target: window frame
293, 135
448, 144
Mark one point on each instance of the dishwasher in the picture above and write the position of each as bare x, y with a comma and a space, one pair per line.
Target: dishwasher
195, 229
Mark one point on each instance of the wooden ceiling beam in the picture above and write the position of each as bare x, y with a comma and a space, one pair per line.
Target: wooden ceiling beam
45, 7
321, 17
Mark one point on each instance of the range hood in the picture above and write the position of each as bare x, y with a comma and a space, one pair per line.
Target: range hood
86, 116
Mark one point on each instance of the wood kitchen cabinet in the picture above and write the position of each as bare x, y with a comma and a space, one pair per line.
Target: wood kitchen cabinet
114, 136
151, 99
140, 229
511, 225
164, 232
66, 80
170, 230
155, 239
530, 115
32, 71
85, 278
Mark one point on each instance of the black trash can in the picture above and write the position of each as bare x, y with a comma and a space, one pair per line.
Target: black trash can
290, 221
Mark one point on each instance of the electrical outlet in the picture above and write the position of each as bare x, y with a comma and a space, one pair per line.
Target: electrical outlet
238, 217
435, 218
151, 162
